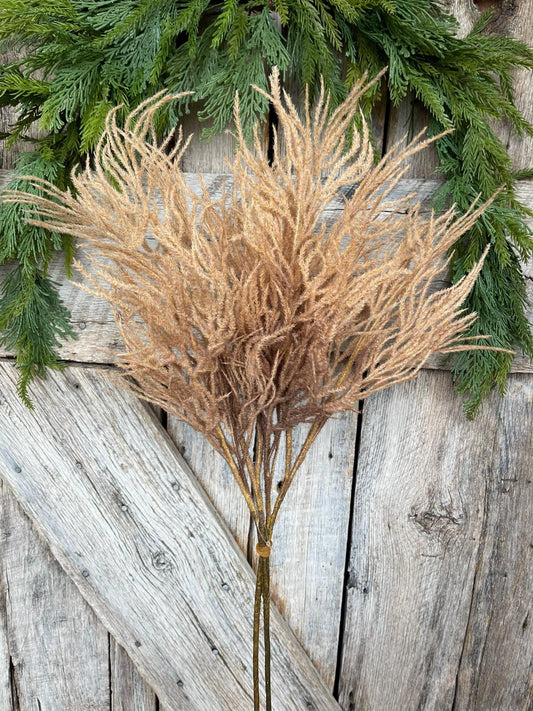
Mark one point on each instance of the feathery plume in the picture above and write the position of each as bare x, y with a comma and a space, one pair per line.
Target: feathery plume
251, 313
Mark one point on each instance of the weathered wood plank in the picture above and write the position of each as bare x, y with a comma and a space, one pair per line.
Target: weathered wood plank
207, 156
515, 19
496, 664
153, 560
129, 691
466, 12
404, 123
50, 628
56, 652
6, 697
8, 157
216, 478
422, 500
98, 339
309, 545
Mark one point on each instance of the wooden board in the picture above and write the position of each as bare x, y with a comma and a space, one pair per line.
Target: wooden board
154, 561
425, 578
129, 692
425, 547
119, 678
515, 19
216, 479
47, 625
495, 670
5, 677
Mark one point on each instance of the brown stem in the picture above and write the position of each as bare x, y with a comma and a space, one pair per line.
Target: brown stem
265, 580
257, 620
262, 594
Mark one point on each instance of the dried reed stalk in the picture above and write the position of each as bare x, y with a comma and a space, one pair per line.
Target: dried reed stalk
248, 315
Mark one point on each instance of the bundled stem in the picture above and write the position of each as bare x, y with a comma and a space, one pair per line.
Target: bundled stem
262, 599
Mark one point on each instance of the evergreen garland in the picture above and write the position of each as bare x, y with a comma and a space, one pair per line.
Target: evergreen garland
81, 58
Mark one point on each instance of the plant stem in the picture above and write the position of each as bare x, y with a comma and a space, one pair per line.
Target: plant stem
262, 594
257, 617
265, 579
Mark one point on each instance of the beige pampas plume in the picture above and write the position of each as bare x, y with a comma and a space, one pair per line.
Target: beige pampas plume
252, 313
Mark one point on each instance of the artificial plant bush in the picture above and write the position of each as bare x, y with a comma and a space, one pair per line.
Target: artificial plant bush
252, 313
81, 58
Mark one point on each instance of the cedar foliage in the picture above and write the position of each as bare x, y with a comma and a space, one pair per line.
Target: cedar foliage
82, 58
249, 314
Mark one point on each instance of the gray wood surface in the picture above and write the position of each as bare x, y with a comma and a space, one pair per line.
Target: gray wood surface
6, 698
496, 670
47, 626
129, 692
516, 20
54, 653
215, 477
428, 539
153, 560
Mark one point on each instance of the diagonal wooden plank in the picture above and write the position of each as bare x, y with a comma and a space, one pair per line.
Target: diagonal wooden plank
213, 472
131, 526
423, 511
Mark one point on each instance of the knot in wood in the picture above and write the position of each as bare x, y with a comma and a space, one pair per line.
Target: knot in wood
264, 551
160, 561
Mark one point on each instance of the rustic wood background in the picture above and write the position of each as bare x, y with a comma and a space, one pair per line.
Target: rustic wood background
403, 561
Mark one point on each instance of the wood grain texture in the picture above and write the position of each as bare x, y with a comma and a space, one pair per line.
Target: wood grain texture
129, 691
406, 121
8, 156
496, 669
98, 339
154, 561
466, 12
309, 544
7, 700
512, 18
515, 18
54, 654
49, 626
426, 482
215, 477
